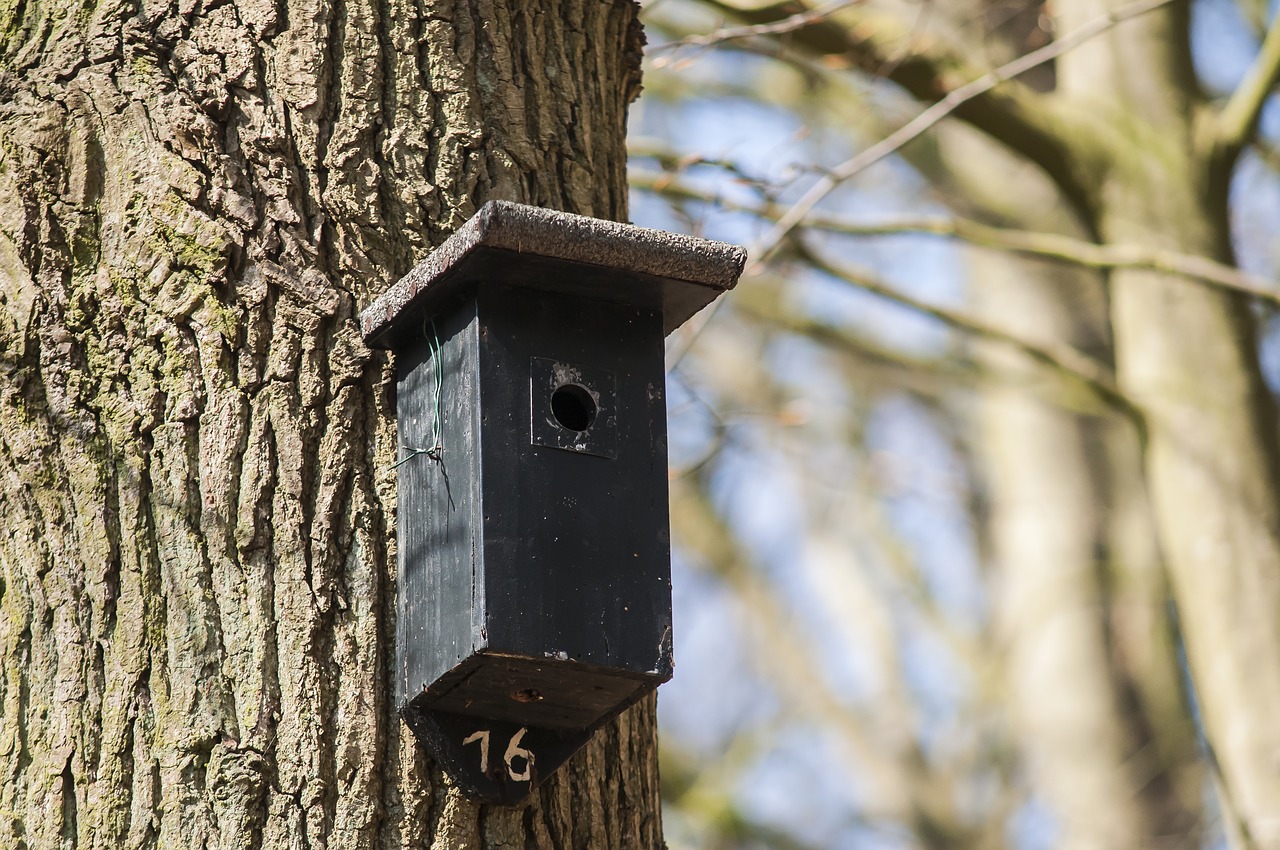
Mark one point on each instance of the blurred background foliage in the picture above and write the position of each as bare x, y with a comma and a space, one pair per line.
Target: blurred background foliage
920, 593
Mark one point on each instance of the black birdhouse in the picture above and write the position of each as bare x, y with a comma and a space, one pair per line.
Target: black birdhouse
534, 549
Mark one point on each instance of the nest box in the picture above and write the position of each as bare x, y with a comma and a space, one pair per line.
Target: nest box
534, 598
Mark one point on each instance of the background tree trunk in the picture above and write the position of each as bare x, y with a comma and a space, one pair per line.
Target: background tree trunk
1082, 601
1082, 604
1092, 668
1187, 355
195, 445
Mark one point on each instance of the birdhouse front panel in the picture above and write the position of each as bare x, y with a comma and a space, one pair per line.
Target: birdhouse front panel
577, 547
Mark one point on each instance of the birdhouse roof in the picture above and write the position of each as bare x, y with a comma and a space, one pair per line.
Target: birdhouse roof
559, 252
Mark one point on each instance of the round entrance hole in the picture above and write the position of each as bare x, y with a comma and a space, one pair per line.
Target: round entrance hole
573, 407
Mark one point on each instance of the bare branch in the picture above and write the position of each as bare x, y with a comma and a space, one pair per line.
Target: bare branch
1255, 13
1064, 359
1268, 153
1238, 119
670, 160
1053, 246
924, 121
1049, 246
1026, 122
921, 376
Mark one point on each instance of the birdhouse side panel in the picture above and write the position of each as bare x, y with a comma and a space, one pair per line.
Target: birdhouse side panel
440, 594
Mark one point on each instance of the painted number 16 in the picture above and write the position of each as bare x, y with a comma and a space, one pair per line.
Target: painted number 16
514, 751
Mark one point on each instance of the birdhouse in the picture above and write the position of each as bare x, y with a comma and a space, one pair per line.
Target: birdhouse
534, 595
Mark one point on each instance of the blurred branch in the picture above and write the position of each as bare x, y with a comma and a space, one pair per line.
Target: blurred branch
670, 160
1064, 359
873, 524
1050, 246
932, 380
703, 790
872, 40
719, 428
789, 660
929, 377
1268, 153
1255, 12
904, 782
917, 27
1238, 119
946, 105
914, 787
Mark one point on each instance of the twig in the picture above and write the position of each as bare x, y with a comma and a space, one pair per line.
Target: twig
892, 64
719, 429
786, 25
918, 375
674, 163
1268, 153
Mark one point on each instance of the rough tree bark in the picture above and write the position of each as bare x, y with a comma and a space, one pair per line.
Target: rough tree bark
196, 563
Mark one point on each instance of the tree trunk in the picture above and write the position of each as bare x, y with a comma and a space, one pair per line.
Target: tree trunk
1082, 605
1092, 669
195, 445
1186, 354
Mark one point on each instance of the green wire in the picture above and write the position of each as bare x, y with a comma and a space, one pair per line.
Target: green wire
437, 375
437, 435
